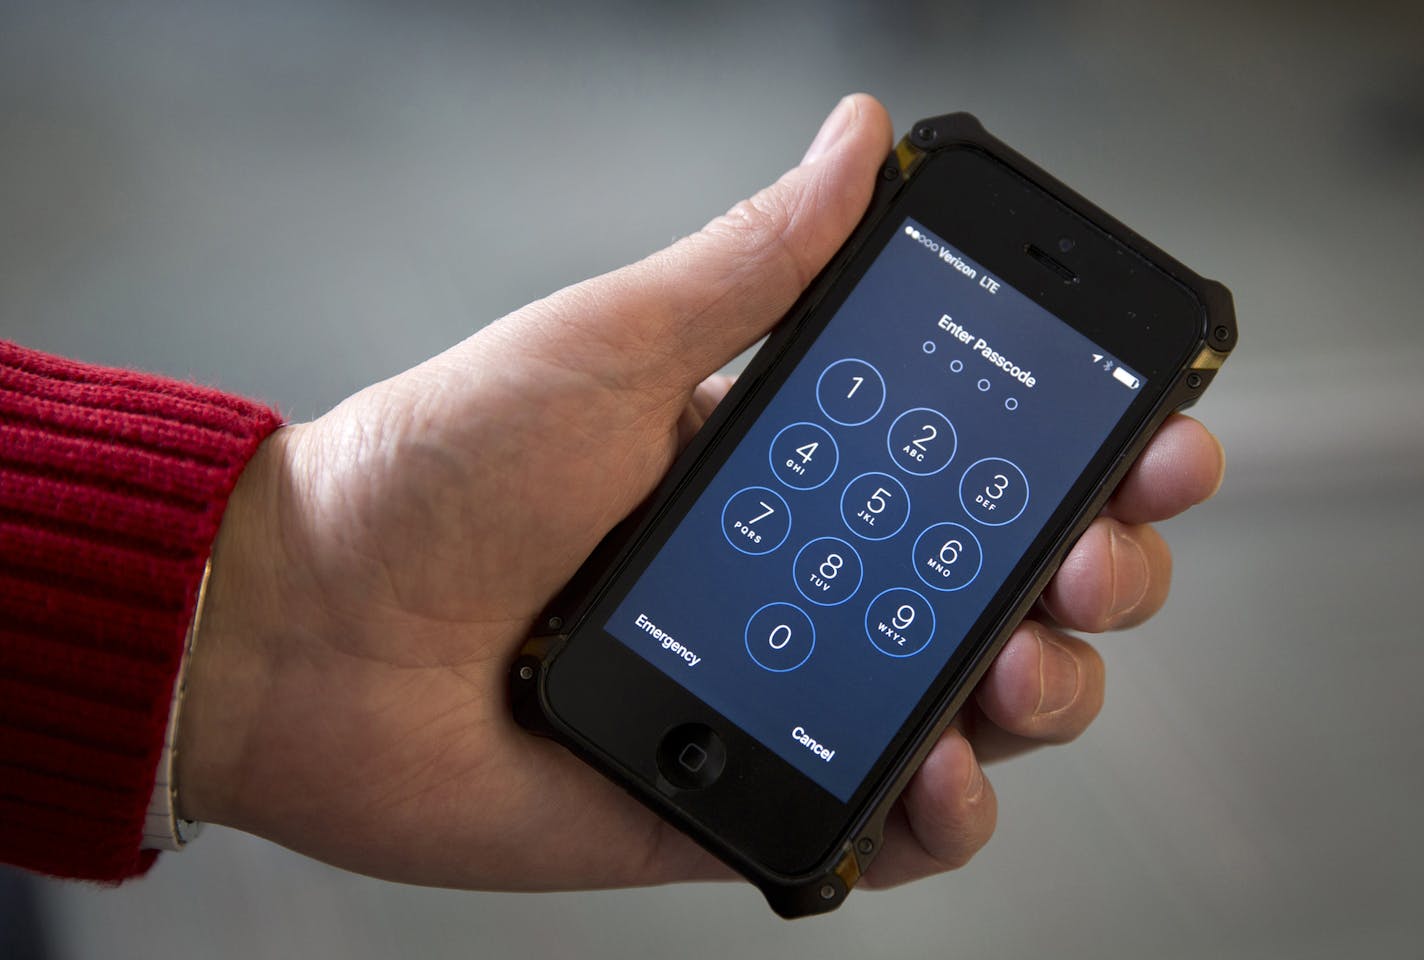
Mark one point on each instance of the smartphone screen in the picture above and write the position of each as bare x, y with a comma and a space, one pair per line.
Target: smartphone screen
841, 554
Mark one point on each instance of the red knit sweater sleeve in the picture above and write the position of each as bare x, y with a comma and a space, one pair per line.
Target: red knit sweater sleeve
112, 486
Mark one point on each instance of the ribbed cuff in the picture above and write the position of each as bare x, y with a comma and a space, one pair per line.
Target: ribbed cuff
112, 487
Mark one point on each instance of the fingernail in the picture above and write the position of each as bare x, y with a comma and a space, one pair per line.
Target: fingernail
1130, 573
831, 131
1221, 472
1057, 676
974, 788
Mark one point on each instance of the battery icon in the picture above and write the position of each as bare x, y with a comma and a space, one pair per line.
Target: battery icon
1122, 376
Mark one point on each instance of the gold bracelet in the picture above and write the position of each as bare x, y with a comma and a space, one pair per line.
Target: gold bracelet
163, 829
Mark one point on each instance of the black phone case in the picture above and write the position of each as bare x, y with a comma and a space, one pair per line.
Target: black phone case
825, 887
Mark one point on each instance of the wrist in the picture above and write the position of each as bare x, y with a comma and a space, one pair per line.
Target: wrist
229, 672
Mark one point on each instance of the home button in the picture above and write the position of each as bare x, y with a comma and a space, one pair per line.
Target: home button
691, 756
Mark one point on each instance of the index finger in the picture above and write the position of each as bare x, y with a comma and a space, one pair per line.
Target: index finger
1182, 465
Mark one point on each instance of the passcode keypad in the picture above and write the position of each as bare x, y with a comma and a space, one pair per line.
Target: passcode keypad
938, 502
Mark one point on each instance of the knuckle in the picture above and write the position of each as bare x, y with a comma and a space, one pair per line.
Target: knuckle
758, 230
754, 221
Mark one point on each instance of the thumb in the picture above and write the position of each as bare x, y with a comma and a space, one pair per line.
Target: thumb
670, 320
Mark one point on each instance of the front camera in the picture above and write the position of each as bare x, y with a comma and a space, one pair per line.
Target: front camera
1065, 244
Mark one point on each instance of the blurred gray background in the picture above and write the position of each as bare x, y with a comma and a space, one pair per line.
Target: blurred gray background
294, 199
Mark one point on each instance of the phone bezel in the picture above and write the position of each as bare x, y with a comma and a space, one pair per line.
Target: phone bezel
618, 706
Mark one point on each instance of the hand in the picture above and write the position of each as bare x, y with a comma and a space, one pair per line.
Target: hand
378, 568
